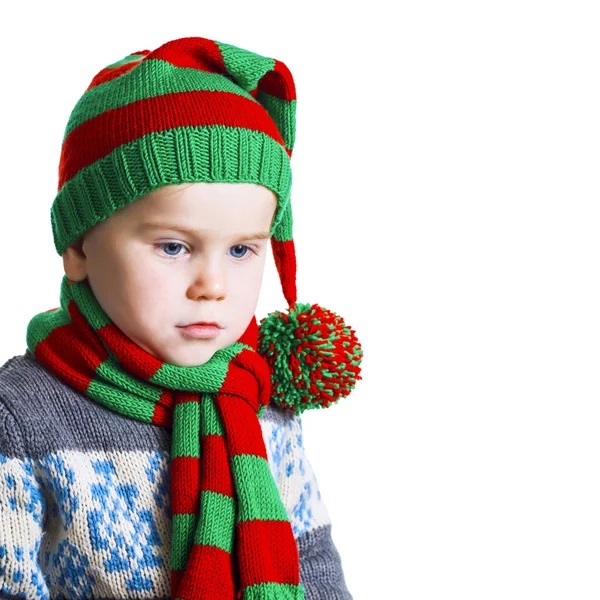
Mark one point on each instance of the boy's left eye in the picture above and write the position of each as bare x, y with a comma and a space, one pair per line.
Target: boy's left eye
239, 248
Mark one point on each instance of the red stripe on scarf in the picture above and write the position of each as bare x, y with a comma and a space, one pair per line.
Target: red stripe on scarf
244, 431
215, 583
133, 358
73, 351
267, 538
185, 485
163, 411
214, 453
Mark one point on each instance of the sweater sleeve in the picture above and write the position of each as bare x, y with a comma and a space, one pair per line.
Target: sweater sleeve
22, 515
321, 571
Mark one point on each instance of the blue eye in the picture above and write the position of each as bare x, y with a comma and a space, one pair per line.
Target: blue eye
238, 247
171, 246
171, 249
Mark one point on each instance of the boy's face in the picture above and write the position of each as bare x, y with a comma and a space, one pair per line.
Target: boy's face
152, 280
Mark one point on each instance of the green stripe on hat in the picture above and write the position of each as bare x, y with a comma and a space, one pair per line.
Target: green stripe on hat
98, 190
283, 232
283, 112
245, 66
126, 60
152, 77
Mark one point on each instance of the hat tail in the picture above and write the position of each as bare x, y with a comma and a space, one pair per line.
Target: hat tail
284, 254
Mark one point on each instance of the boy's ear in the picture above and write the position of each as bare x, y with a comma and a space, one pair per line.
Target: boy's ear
74, 261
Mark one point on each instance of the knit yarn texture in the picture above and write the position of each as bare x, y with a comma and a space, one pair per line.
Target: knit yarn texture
231, 534
193, 110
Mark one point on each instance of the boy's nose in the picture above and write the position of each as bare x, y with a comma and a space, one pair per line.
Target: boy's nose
209, 284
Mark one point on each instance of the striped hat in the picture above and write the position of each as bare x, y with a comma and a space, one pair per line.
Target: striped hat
194, 110
198, 110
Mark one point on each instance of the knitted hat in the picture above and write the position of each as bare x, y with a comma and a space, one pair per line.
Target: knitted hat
198, 110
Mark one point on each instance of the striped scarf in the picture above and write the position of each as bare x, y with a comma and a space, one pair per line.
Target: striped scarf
232, 537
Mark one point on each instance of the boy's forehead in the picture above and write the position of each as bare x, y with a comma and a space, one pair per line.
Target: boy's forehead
245, 210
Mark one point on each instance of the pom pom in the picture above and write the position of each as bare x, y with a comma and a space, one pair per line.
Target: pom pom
313, 355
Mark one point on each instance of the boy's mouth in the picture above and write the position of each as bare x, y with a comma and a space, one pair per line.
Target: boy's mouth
202, 330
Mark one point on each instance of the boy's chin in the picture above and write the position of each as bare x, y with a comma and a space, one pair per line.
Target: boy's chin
190, 358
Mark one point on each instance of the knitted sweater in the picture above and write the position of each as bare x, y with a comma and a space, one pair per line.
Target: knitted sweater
85, 496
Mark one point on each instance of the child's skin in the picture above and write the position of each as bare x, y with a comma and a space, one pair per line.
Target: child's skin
151, 282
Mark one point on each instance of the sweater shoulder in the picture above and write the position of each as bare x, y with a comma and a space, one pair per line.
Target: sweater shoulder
53, 416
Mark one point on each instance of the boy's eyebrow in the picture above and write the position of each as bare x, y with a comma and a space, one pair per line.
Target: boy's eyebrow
261, 235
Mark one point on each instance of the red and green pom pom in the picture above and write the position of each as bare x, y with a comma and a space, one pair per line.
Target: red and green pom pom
313, 355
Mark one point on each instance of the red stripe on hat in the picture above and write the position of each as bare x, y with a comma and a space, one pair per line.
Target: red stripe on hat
193, 52
208, 575
284, 255
273, 539
134, 359
100, 135
279, 82
185, 485
216, 475
244, 433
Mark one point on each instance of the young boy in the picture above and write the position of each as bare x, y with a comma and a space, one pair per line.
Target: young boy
150, 435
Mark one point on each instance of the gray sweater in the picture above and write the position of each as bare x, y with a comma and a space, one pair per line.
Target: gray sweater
85, 496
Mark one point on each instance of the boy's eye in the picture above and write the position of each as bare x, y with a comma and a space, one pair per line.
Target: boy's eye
239, 249
170, 248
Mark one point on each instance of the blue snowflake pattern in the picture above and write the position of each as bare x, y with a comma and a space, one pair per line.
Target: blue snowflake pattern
26, 579
73, 573
275, 446
302, 512
159, 475
22, 491
60, 479
294, 475
120, 527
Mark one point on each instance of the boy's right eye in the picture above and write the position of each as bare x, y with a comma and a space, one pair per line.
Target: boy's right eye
170, 246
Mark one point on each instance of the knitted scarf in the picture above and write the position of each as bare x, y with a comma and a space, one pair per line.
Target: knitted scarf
231, 534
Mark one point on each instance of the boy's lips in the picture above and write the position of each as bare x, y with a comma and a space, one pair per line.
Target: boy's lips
202, 330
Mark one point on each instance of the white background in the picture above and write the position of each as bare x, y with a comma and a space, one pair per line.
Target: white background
446, 206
